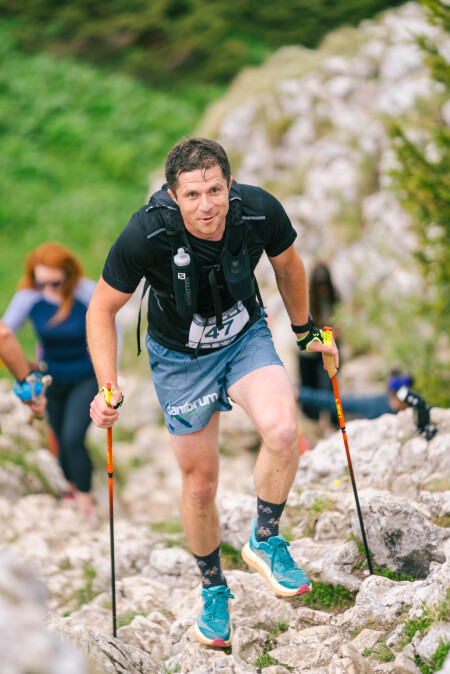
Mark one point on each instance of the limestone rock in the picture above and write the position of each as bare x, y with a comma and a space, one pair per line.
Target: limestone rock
349, 661
399, 536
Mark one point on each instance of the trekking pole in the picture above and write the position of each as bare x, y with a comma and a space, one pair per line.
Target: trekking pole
331, 369
45, 382
31, 380
108, 396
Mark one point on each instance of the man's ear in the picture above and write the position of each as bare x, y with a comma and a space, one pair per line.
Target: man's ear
231, 182
171, 194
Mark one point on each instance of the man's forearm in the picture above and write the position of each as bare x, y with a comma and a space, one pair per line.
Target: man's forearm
102, 344
293, 287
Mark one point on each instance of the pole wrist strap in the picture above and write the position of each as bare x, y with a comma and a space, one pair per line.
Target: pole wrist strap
314, 335
105, 390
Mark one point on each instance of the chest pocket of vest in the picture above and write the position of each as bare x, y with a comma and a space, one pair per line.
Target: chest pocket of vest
237, 272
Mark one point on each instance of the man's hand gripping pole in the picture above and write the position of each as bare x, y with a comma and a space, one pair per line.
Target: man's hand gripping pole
332, 371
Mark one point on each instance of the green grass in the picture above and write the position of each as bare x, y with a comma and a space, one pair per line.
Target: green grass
442, 521
438, 484
266, 660
439, 612
127, 618
380, 652
231, 558
19, 458
82, 595
331, 598
436, 661
169, 526
321, 504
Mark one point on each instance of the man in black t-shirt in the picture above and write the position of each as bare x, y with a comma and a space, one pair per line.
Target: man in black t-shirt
197, 243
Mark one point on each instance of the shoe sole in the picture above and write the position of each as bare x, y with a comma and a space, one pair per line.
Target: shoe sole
256, 563
215, 643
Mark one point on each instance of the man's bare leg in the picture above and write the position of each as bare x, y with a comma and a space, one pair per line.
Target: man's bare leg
266, 395
198, 457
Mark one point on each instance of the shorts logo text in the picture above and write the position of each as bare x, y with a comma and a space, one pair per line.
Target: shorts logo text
188, 408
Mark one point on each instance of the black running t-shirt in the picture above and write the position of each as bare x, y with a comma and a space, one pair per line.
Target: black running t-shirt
143, 250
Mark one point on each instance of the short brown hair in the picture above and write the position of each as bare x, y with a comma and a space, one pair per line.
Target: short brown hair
191, 154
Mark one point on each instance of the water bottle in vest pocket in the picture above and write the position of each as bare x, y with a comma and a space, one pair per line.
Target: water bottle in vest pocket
185, 283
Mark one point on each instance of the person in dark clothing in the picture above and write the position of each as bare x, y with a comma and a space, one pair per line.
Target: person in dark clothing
54, 295
323, 298
198, 242
361, 406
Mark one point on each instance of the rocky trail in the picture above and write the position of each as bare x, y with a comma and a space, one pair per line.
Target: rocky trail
55, 584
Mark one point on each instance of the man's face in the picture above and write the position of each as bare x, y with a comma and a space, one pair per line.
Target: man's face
203, 200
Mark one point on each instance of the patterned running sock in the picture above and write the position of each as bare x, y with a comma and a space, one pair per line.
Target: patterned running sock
269, 515
210, 569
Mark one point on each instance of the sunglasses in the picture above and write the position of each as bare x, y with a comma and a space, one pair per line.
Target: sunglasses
40, 285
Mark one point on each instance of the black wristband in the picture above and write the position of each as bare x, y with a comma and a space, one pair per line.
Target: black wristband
305, 327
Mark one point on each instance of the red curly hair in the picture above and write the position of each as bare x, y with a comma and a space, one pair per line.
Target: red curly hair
58, 257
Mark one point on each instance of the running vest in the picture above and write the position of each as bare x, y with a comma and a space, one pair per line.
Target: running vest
233, 263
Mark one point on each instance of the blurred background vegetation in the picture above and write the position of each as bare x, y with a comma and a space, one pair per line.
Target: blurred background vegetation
94, 94
173, 41
422, 183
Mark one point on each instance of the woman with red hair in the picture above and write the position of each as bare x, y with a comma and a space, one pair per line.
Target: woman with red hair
54, 295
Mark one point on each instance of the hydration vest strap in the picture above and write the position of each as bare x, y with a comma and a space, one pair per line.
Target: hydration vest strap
258, 292
216, 297
138, 329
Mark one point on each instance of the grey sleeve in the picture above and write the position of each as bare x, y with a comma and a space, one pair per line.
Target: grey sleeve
19, 308
85, 290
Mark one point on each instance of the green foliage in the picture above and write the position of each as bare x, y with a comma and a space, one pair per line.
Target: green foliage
231, 558
332, 598
437, 484
442, 521
266, 660
420, 624
179, 40
127, 618
423, 186
20, 457
380, 652
77, 150
85, 594
280, 627
436, 661
168, 526
320, 504
393, 575
430, 615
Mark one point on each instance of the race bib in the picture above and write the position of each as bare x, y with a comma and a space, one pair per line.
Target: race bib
205, 334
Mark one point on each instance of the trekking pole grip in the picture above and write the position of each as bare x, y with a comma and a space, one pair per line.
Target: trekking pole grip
328, 357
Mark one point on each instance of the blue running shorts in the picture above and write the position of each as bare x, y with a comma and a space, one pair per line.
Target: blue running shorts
191, 390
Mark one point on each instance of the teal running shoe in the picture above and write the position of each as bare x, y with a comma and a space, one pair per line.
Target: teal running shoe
212, 625
273, 560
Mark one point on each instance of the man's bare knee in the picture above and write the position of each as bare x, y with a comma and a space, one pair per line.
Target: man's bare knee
200, 491
281, 435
